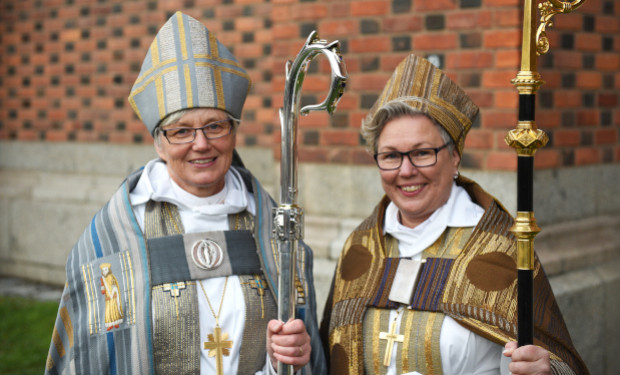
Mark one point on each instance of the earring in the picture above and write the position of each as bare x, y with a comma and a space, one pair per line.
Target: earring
457, 175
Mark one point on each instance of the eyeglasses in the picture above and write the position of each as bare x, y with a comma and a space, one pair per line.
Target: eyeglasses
419, 157
212, 130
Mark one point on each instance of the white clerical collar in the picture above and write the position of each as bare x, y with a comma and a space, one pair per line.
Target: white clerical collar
156, 184
458, 211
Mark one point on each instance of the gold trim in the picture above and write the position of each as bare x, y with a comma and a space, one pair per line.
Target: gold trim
526, 139
525, 229
182, 35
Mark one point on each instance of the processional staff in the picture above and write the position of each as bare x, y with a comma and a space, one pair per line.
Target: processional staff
526, 139
288, 216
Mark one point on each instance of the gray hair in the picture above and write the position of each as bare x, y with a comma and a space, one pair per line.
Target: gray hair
371, 130
176, 116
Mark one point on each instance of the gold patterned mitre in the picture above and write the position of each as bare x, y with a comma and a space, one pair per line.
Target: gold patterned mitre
421, 85
187, 67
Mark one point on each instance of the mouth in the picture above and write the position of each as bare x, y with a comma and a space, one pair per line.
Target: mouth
202, 161
411, 188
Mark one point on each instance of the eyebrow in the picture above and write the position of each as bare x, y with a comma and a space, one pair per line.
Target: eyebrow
413, 147
181, 124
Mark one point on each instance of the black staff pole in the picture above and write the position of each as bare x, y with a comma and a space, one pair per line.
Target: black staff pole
526, 139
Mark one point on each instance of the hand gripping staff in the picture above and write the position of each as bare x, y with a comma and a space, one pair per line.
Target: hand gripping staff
288, 216
526, 139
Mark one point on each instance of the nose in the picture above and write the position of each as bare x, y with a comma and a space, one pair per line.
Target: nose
407, 168
201, 142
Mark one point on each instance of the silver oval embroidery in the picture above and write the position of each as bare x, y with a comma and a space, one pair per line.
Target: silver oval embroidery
207, 254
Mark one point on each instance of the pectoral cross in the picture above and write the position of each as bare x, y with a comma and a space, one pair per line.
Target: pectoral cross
259, 285
390, 337
175, 291
218, 346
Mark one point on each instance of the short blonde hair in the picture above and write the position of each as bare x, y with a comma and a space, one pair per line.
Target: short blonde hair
371, 130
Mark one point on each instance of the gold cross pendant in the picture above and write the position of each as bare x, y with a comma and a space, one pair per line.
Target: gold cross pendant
390, 337
218, 346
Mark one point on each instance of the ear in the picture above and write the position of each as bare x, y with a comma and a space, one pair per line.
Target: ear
456, 159
159, 149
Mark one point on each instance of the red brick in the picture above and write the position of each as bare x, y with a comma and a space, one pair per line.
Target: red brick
567, 98
588, 42
606, 136
548, 119
546, 159
280, 13
552, 80
607, 24
589, 80
339, 10
479, 139
373, 81
499, 120
607, 100
435, 5
587, 117
362, 157
608, 61
27, 135
482, 98
506, 161
506, 99
496, 79
567, 59
313, 155
586, 156
370, 44
318, 119
339, 138
369, 8
399, 24
469, 59
285, 31
356, 119
508, 59
508, 17
502, 3
306, 11
564, 137
502, 38
567, 21
435, 41
338, 27
468, 20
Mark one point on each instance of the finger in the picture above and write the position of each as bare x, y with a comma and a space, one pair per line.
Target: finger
293, 327
529, 353
274, 327
297, 356
509, 348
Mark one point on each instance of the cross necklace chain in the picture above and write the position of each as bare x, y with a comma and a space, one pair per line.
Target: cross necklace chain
218, 344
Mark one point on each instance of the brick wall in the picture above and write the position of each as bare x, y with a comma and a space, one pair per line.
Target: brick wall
66, 68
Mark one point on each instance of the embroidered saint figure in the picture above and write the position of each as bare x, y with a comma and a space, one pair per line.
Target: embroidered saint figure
113, 303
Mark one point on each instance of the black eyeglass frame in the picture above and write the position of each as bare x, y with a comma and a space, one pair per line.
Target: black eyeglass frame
408, 153
231, 122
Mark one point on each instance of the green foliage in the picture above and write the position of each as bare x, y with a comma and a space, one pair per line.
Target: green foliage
25, 333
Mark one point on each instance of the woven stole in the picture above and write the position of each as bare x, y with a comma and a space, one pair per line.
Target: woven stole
419, 350
176, 332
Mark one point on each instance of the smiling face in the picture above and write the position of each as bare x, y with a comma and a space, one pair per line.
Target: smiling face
198, 167
417, 192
